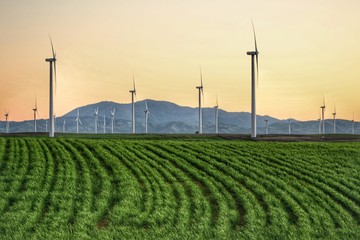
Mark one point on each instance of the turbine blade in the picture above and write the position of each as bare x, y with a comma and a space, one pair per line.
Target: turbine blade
80, 121
133, 81
257, 53
55, 77
217, 102
146, 106
256, 49
52, 46
201, 81
257, 68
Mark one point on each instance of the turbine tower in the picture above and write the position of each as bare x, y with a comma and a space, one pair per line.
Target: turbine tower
319, 122
289, 126
323, 115
7, 122
104, 124
112, 114
334, 118
266, 126
253, 54
52, 62
201, 92
133, 94
216, 108
146, 116
35, 114
64, 125
96, 114
353, 125
78, 121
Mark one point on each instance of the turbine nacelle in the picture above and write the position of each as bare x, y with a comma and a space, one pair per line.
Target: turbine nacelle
252, 53
50, 59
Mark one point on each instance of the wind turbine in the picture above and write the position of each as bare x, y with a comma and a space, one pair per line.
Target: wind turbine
133, 93
289, 126
353, 125
104, 124
96, 119
216, 108
52, 62
112, 114
266, 126
334, 118
319, 122
201, 92
64, 125
7, 122
323, 115
146, 116
35, 114
253, 54
78, 121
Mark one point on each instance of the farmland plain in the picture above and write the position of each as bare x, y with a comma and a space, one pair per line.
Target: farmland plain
178, 188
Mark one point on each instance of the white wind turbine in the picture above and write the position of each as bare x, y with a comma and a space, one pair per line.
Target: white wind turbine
146, 112
323, 115
64, 125
78, 121
319, 122
334, 118
7, 122
201, 93
353, 125
216, 108
96, 114
266, 126
112, 114
52, 62
289, 126
253, 54
104, 124
133, 94
36, 113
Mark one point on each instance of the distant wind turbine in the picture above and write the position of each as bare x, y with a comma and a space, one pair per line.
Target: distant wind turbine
216, 108
96, 119
201, 93
289, 126
334, 118
35, 114
253, 54
104, 124
266, 126
353, 125
52, 62
112, 114
323, 115
64, 125
319, 122
146, 116
133, 94
7, 122
78, 121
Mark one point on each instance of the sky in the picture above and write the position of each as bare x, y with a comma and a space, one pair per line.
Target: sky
307, 50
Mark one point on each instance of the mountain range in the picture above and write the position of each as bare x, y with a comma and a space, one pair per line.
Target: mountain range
167, 117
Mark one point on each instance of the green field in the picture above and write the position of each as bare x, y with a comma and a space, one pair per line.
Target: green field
67, 188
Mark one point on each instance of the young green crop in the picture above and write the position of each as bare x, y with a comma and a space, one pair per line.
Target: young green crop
180, 188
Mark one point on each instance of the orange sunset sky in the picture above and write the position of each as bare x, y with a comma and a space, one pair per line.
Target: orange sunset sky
307, 49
